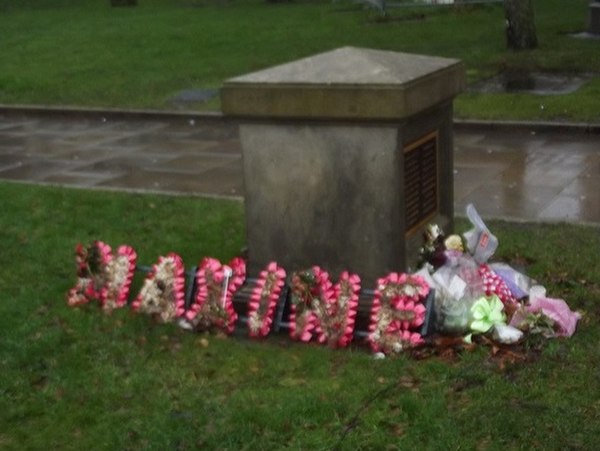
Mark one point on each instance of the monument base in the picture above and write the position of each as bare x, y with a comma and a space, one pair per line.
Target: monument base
347, 157
594, 18
339, 195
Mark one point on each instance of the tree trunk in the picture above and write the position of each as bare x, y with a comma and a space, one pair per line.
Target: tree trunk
520, 24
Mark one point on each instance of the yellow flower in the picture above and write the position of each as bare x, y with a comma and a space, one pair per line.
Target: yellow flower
454, 243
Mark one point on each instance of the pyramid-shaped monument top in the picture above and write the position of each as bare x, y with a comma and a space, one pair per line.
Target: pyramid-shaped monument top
348, 83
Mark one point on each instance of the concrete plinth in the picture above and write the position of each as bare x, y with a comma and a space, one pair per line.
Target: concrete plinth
594, 18
347, 155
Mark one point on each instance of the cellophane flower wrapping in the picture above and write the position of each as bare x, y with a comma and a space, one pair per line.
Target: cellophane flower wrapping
547, 316
464, 291
461, 299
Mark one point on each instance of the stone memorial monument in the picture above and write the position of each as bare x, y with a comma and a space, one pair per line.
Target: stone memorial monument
594, 18
347, 155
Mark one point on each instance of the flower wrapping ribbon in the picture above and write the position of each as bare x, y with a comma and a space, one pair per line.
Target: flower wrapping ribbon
486, 312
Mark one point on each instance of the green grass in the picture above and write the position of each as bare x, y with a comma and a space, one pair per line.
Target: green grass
85, 53
581, 106
77, 378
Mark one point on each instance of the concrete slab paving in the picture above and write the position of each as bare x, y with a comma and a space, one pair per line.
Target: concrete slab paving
507, 173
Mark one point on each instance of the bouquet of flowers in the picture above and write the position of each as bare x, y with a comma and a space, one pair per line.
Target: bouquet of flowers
474, 296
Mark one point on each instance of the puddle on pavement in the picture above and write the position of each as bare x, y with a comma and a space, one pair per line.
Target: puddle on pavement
194, 95
531, 82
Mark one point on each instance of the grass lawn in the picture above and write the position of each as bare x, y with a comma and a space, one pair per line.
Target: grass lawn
77, 378
86, 53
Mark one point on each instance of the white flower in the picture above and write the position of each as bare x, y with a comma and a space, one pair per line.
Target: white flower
185, 324
397, 347
506, 334
410, 290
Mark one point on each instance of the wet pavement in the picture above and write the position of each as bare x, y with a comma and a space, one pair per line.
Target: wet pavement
507, 173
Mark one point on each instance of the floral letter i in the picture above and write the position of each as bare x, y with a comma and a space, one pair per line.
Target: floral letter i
263, 300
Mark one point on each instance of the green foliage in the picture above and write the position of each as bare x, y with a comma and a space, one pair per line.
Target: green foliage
78, 378
65, 52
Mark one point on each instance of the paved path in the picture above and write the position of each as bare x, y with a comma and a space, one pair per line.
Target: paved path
513, 174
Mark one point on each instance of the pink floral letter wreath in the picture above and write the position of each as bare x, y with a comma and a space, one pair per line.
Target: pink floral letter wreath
336, 310
397, 308
306, 286
263, 300
102, 276
216, 285
162, 294
318, 306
